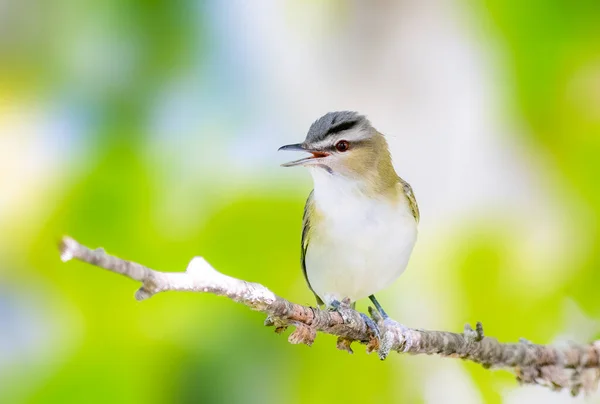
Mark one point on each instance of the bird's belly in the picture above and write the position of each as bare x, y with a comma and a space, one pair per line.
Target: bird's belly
355, 256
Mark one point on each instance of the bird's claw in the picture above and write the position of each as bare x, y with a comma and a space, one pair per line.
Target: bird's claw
371, 325
336, 305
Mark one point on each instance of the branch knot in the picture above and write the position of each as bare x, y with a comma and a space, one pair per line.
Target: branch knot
473, 335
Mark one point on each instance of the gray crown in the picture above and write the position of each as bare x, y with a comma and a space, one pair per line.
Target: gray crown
334, 122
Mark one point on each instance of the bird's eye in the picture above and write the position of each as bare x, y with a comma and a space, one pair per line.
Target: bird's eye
342, 146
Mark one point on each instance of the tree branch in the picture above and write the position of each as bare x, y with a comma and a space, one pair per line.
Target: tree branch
574, 367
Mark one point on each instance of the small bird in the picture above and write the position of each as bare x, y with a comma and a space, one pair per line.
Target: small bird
360, 220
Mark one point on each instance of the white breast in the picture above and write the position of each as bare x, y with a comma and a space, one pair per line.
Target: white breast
361, 245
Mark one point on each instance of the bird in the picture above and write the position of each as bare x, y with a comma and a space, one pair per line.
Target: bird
360, 220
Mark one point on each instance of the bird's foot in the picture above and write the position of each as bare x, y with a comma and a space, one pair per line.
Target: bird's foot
371, 325
336, 305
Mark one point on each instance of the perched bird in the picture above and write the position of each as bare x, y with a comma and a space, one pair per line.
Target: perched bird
360, 220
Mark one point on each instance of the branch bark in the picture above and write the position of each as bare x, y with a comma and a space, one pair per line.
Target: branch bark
575, 367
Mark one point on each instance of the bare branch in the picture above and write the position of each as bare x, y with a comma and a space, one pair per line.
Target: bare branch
575, 367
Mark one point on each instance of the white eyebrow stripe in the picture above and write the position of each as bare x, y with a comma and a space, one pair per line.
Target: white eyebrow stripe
322, 144
351, 135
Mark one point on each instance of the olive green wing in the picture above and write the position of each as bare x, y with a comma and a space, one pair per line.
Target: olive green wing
412, 200
306, 229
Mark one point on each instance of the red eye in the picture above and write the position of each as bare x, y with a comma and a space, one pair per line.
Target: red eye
342, 146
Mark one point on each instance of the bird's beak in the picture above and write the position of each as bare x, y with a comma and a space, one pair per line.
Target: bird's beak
316, 155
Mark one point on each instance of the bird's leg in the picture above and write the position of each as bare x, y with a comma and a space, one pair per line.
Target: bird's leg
378, 307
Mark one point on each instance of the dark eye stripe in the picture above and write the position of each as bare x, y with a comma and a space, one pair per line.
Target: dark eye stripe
352, 143
342, 126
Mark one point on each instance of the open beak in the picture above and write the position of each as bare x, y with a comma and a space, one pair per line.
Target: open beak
316, 155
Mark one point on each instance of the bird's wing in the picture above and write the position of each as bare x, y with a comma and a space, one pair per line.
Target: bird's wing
412, 200
308, 210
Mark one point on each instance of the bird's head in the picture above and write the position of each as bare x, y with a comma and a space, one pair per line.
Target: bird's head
344, 143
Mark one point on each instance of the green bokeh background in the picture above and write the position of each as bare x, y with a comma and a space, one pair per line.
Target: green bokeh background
74, 333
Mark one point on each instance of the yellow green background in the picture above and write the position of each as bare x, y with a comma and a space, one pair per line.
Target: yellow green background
150, 128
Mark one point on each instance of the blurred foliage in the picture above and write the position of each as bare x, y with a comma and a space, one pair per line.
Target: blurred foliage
555, 58
102, 346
